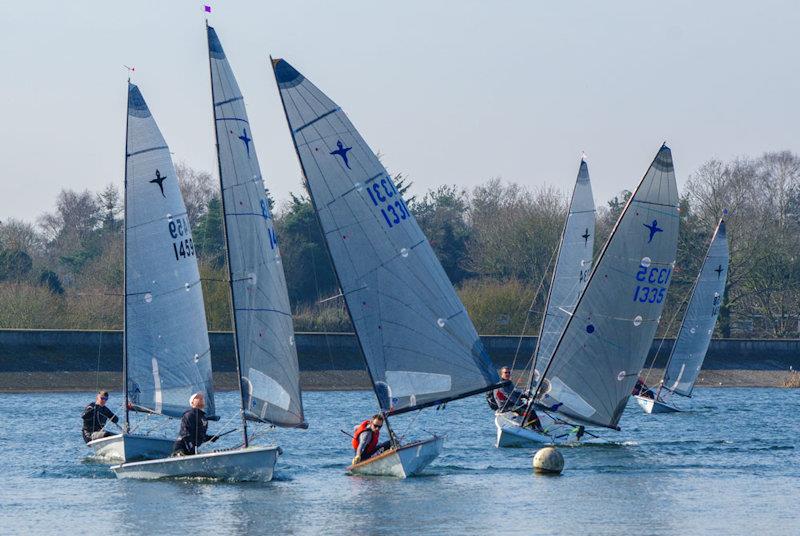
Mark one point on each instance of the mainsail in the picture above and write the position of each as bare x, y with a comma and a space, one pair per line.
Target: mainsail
167, 354
606, 340
263, 319
573, 264
419, 344
697, 327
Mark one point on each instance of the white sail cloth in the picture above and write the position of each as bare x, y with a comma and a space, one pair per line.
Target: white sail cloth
694, 336
419, 344
167, 351
263, 318
605, 343
571, 272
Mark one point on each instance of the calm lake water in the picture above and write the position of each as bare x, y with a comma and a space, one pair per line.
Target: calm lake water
727, 466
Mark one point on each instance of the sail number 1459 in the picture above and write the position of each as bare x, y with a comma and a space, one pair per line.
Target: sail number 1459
183, 247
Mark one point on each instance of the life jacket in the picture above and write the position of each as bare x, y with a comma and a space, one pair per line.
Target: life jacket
373, 442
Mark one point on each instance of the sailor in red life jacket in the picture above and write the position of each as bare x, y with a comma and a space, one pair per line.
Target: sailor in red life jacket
366, 437
506, 397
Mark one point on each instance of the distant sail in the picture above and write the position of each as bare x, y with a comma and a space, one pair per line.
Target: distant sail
167, 351
419, 344
573, 265
264, 329
605, 343
698, 324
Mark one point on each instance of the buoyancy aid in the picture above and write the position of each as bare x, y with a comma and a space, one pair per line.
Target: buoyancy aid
373, 442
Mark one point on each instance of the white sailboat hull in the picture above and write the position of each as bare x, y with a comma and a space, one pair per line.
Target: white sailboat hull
510, 434
131, 447
655, 406
403, 462
251, 464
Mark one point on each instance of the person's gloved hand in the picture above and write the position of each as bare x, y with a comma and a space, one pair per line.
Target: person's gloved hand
356, 459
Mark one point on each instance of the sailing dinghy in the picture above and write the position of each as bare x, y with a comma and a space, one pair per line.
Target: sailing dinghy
419, 345
166, 354
605, 343
571, 272
697, 327
266, 356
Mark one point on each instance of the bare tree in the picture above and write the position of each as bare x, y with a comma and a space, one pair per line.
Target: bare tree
515, 231
197, 188
20, 235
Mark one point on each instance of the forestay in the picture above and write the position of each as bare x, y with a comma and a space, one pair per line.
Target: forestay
698, 324
419, 344
167, 351
573, 265
263, 319
605, 343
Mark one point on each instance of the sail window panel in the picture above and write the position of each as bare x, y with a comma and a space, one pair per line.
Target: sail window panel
268, 390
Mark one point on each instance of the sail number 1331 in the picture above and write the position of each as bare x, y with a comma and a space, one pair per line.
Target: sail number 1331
384, 195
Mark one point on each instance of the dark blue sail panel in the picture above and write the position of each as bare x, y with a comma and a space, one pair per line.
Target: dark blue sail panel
604, 346
286, 75
263, 319
137, 107
167, 353
419, 344
214, 46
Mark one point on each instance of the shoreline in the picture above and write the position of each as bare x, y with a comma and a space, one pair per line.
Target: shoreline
334, 380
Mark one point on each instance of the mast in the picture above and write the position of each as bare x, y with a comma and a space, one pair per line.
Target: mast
227, 253
126, 427
330, 257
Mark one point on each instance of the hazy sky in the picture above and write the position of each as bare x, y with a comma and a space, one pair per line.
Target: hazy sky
450, 91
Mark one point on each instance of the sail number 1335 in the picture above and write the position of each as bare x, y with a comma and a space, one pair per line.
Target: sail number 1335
655, 290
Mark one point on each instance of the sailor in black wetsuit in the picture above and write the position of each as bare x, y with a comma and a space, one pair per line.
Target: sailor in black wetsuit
95, 416
193, 428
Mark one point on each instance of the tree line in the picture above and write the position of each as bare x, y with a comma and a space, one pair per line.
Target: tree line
495, 241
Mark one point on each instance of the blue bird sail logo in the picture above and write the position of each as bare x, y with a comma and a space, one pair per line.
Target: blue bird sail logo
653, 228
342, 151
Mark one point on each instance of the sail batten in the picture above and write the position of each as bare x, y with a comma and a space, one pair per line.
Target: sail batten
167, 352
418, 342
264, 329
697, 327
606, 340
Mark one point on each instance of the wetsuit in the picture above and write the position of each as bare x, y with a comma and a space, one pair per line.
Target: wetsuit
193, 432
94, 419
364, 445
